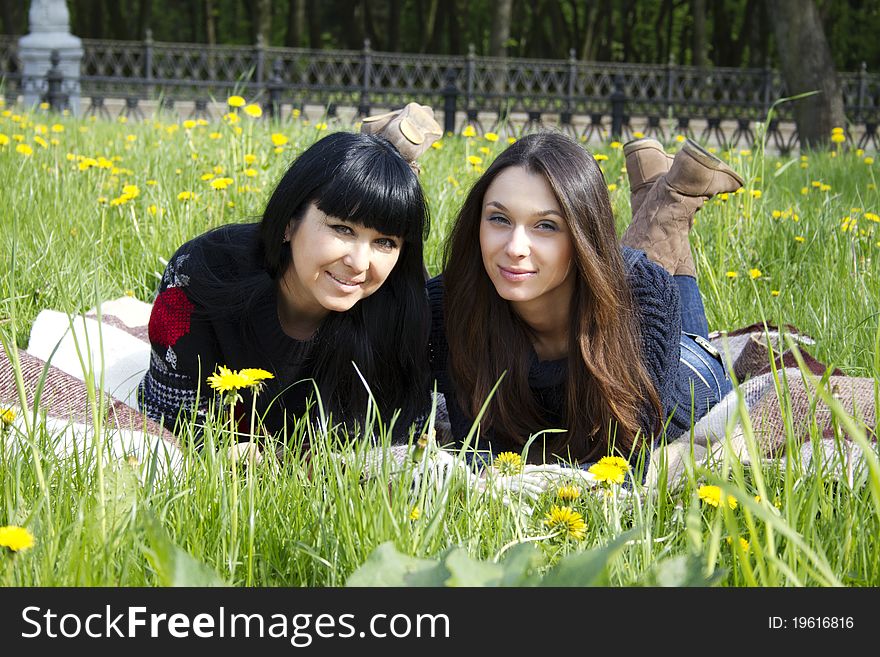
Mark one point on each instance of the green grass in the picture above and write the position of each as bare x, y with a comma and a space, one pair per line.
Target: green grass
297, 524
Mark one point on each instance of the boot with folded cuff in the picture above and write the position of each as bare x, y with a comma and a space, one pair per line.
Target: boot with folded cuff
412, 130
662, 222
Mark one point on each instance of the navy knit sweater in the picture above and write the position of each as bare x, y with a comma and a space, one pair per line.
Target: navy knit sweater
658, 305
188, 343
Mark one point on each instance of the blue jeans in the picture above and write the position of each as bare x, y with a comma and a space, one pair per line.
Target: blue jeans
699, 362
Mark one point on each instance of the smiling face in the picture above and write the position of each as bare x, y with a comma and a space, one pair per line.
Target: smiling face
525, 242
335, 264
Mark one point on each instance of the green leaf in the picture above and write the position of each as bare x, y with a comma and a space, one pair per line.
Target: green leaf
521, 566
681, 571
588, 568
387, 567
175, 566
465, 571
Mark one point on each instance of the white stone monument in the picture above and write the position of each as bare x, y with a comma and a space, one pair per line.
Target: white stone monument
49, 23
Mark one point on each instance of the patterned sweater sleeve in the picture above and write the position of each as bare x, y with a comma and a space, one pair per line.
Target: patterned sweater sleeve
183, 351
659, 306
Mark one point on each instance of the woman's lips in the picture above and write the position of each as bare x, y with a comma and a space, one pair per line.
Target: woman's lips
515, 275
345, 283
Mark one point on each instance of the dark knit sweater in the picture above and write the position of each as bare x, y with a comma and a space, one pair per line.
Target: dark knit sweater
189, 342
658, 305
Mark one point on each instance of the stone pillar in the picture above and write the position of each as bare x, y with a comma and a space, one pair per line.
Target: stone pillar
49, 23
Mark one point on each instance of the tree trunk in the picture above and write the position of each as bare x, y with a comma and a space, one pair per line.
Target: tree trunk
263, 19
210, 23
806, 63
453, 27
119, 27
146, 18
313, 9
376, 40
295, 20
394, 26
698, 9
500, 28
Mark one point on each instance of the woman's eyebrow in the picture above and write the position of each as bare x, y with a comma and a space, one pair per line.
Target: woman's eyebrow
542, 213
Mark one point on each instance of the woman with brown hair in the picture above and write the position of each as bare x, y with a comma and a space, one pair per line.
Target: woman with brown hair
540, 311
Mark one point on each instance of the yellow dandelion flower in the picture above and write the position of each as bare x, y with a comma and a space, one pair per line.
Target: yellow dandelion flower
231, 118
756, 193
250, 173
469, 131
206, 176
508, 463
616, 461
732, 274
774, 293
295, 112
616, 145
743, 544
824, 188
236, 101
152, 209
724, 196
227, 380
491, 136
484, 150
680, 138
600, 157
638, 135
776, 214
186, 196
607, 472
132, 191
868, 160
255, 375
7, 416
837, 138
17, 539
278, 139
754, 273
221, 183
415, 513
475, 160
612, 187
4, 139
511, 140
567, 522
837, 130
214, 135
250, 158
254, 111
712, 495
131, 138
805, 190
437, 145
189, 124
102, 200
568, 493
24, 149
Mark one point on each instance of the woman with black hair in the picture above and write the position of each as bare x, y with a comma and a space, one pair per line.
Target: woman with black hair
326, 293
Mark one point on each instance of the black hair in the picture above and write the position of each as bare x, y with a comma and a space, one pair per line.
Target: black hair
362, 179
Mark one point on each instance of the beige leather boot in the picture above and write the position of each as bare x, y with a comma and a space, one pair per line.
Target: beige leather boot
662, 224
411, 129
645, 162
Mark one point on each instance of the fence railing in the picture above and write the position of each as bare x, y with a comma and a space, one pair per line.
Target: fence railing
726, 101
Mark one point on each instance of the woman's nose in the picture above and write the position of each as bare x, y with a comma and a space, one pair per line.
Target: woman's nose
518, 243
358, 257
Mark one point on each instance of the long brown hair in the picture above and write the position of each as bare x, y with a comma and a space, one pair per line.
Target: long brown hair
607, 382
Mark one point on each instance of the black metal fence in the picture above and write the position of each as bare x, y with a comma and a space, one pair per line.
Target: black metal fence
583, 97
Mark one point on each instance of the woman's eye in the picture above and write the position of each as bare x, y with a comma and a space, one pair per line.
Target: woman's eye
342, 229
547, 225
387, 243
498, 219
